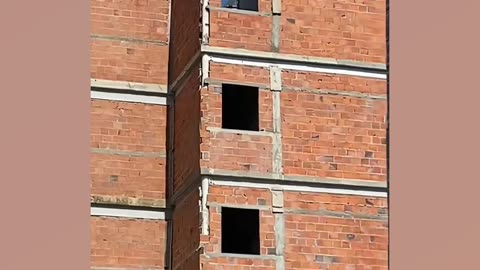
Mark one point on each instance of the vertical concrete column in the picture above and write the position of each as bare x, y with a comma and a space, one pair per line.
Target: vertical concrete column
279, 226
276, 88
276, 13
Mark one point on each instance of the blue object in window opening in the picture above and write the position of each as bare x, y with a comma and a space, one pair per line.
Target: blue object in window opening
230, 3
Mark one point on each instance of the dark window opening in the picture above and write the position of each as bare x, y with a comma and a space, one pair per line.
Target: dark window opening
240, 231
240, 107
241, 4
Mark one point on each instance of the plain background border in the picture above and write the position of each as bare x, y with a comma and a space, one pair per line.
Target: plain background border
44, 141
433, 135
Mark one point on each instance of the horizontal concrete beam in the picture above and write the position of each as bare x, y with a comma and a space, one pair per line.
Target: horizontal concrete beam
295, 62
126, 201
294, 180
128, 153
216, 130
334, 214
299, 188
129, 40
239, 206
123, 97
240, 256
128, 86
330, 92
127, 213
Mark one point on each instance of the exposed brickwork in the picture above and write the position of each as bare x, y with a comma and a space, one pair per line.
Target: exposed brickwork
315, 80
332, 126
240, 74
128, 61
187, 138
186, 233
334, 136
137, 177
354, 30
141, 19
231, 197
230, 151
127, 243
316, 241
184, 35
240, 31
127, 126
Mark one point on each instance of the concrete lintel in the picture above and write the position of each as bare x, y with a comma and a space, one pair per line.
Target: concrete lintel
240, 206
240, 256
338, 190
330, 92
297, 59
133, 98
216, 130
127, 213
238, 11
128, 153
129, 40
125, 201
128, 86
336, 93
292, 180
216, 82
334, 214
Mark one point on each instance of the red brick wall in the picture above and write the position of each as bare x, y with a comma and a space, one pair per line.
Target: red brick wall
229, 197
353, 30
240, 31
134, 60
317, 241
186, 233
187, 137
140, 19
123, 61
129, 127
321, 230
127, 243
184, 35
232, 151
333, 136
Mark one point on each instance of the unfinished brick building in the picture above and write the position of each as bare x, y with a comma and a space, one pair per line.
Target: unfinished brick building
239, 134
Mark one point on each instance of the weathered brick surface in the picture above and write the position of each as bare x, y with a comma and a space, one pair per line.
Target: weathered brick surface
240, 31
232, 151
136, 177
317, 241
322, 81
333, 136
184, 35
186, 233
229, 263
128, 126
187, 135
239, 74
127, 61
231, 197
353, 30
141, 19
127, 243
